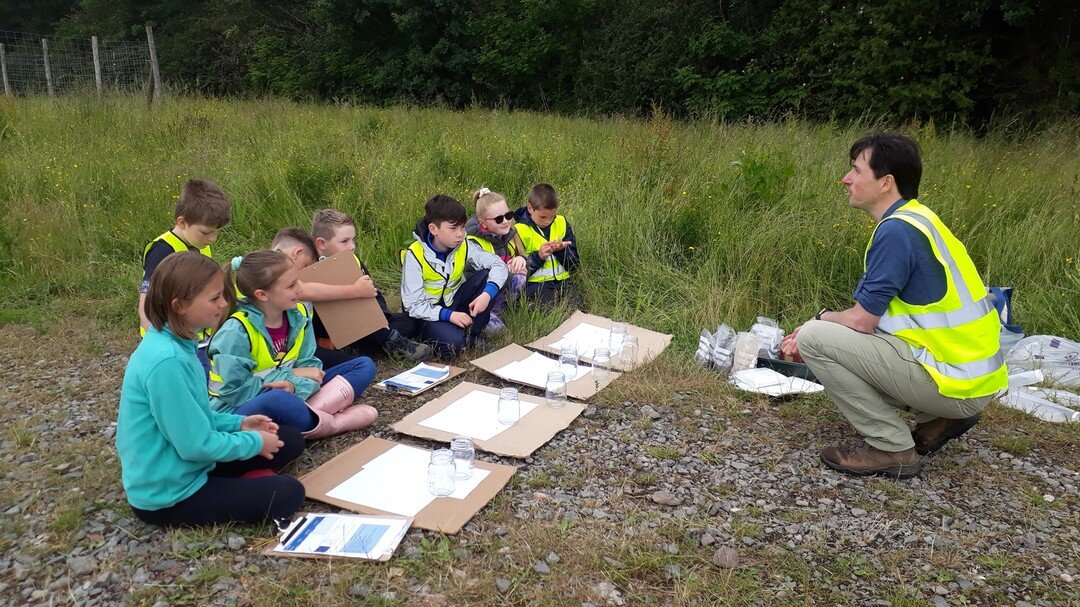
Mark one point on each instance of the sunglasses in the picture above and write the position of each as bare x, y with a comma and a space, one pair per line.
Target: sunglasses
501, 218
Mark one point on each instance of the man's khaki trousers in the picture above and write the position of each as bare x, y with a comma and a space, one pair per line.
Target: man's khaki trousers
871, 377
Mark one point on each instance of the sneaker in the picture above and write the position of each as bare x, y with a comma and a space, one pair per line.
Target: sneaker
932, 435
864, 460
400, 346
495, 326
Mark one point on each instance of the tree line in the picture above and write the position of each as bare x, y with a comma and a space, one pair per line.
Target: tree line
967, 62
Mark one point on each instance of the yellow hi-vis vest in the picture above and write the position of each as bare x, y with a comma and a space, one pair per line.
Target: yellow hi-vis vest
265, 362
440, 287
956, 339
532, 239
178, 246
486, 245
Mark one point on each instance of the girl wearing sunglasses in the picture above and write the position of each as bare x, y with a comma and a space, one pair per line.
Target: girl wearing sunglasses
492, 227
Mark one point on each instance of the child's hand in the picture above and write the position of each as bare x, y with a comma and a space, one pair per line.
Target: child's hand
517, 265
364, 288
281, 384
271, 444
462, 319
479, 304
545, 250
258, 423
311, 373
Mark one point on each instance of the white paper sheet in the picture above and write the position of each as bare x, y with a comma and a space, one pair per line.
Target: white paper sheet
586, 338
533, 371
396, 482
417, 379
474, 415
767, 381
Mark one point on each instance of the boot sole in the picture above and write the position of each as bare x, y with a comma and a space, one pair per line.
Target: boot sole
957, 432
895, 471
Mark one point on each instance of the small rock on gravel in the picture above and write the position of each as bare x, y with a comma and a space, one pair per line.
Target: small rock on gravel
359, 591
666, 498
707, 540
726, 558
552, 558
502, 584
236, 542
81, 565
649, 412
542, 568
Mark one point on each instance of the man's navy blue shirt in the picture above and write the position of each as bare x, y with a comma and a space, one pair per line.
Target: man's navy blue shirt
900, 262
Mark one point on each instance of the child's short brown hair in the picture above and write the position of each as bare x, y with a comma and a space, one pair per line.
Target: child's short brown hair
295, 237
203, 202
324, 223
177, 280
542, 197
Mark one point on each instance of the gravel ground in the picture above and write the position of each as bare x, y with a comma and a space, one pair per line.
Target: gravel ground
673, 495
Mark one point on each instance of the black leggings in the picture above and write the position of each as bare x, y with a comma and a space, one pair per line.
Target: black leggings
225, 498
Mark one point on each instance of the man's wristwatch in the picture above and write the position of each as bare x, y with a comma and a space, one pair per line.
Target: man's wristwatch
818, 315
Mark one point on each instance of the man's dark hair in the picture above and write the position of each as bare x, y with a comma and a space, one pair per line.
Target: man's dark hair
892, 154
444, 208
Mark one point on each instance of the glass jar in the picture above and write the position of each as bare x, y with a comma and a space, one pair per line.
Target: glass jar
601, 364
464, 457
568, 362
440, 473
555, 389
509, 408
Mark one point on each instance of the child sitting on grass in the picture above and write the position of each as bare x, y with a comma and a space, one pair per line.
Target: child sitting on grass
181, 462
267, 346
452, 310
334, 232
201, 211
493, 229
550, 247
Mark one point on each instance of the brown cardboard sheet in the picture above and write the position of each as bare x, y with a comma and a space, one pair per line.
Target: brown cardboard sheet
346, 320
650, 343
443, 514
582, 388
520, 440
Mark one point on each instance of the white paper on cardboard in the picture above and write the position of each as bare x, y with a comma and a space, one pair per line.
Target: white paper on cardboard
474, 415
586, 338
396, 482
534, 370
767, 381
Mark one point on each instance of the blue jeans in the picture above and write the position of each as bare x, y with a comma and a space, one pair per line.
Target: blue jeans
448, 338
359, 372
285, 408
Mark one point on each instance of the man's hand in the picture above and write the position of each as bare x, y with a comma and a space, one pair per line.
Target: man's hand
281, 384
364, 288
311, 373
258, 423
517, 265
479, 304
461, 319
270, 444
789, 347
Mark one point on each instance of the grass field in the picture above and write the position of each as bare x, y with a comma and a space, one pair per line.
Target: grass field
681, 226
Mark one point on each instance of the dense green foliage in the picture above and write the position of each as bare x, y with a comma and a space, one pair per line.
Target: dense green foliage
681, 225
973, 62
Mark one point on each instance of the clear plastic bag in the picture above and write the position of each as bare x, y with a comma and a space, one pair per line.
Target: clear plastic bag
1057, 357
771, 335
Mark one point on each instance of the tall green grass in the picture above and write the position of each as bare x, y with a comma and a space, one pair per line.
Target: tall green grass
681, 225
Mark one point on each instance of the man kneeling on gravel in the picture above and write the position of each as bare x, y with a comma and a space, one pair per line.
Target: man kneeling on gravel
922, 335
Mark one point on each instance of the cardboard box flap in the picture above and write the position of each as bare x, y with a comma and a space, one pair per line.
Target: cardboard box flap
650, 343
346, 320
582, 388
444, 514
520, 440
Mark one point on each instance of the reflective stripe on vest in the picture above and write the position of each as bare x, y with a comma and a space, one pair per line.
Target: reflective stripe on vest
265, 362
440, 287
178, 246
533, 239
956, 339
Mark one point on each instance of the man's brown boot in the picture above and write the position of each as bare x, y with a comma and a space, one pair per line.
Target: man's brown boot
864, 460
933, 435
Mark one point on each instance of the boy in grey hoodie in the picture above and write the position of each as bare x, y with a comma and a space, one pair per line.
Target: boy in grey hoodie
452, 310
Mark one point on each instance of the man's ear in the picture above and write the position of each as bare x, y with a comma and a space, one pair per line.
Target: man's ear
887, 182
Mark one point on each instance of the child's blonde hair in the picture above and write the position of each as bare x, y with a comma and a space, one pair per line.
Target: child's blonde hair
485, 199
324, 223
177, 280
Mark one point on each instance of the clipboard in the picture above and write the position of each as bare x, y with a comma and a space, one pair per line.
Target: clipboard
306, 517
454, 372
346, 320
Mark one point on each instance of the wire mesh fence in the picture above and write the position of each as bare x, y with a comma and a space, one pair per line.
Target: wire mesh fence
124, 65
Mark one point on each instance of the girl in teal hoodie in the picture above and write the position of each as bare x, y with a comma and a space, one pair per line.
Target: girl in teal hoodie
182, 463
262, 359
